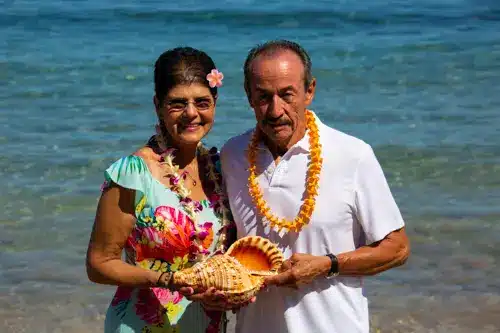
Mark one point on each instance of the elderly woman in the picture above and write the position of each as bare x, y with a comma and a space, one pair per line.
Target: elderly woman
167, 215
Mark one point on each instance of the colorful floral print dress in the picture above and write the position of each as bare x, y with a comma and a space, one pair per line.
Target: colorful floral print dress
160, 241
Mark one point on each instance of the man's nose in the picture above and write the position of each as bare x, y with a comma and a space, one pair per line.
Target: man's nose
275, 109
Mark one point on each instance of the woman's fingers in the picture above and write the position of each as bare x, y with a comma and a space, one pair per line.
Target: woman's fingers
186, 291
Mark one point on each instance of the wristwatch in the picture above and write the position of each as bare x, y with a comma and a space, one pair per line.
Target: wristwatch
334, 268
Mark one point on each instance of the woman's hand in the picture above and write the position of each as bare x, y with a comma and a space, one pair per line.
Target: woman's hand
211, 299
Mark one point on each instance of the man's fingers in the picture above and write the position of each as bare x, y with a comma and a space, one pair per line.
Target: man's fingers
291, 286
285, 266
279, 279
271, 280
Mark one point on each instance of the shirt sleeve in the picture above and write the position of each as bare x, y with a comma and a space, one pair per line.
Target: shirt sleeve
224, 161
376, 209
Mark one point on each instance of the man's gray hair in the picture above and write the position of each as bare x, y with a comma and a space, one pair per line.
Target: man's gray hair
273, 47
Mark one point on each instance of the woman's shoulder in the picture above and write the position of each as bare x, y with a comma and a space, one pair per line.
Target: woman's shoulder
130, 172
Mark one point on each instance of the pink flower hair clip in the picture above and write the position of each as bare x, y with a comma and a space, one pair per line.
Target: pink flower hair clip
215, 78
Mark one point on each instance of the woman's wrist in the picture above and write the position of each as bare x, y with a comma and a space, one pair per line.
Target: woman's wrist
165, 280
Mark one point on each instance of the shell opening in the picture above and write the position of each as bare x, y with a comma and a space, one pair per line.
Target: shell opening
257, 254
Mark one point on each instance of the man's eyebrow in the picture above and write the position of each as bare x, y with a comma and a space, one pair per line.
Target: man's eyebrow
282, 90
260, 89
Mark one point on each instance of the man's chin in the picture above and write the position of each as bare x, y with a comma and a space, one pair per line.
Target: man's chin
278, 139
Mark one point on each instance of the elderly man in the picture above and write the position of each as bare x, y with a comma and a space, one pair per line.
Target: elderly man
316, 192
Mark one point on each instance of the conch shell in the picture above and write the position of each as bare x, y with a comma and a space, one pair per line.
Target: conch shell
238, 273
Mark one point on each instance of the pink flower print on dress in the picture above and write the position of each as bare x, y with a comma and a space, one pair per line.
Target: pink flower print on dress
215, 78
152, 304
151, 237
166, 296
172, 218
176, 231
205, 230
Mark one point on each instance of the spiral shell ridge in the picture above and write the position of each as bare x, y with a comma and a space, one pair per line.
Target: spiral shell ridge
239, 273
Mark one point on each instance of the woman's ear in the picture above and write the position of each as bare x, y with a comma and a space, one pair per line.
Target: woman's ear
156, 102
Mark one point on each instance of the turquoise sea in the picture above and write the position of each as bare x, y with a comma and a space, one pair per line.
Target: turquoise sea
419, 80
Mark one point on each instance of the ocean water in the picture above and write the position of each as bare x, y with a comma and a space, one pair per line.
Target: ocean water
418, 80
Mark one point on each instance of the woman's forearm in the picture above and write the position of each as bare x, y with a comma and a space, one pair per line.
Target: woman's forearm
119, 273
115, 220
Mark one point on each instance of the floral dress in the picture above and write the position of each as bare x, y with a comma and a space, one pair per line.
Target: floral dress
160, 241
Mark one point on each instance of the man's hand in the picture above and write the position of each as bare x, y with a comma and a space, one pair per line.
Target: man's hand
300, 269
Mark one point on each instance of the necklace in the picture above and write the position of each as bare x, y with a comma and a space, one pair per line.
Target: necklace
187, 173
218, 200
193, 180
311, 188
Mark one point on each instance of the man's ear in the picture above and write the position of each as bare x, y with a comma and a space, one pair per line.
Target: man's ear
247, 91
310, 91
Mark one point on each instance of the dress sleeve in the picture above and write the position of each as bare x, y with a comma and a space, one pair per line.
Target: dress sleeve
376, 209
130, 172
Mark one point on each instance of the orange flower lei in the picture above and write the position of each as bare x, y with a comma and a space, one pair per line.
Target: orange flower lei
312, 182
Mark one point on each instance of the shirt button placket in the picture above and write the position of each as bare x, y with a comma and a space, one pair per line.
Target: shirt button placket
280, 172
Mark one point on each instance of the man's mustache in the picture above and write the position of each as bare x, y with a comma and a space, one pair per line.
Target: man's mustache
272, 122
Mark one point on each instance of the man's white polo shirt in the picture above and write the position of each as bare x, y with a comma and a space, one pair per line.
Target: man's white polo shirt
354, 207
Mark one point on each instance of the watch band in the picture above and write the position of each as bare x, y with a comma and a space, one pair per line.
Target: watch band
165, 282
334, 268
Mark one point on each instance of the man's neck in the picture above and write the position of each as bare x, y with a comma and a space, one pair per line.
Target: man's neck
280, 149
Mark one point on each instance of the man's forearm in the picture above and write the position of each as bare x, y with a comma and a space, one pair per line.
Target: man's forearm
374, 259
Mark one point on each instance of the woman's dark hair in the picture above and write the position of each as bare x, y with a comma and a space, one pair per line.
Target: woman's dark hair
181, 65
